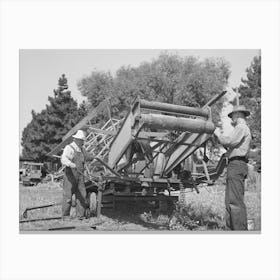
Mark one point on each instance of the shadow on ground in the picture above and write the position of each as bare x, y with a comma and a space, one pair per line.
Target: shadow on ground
145, 214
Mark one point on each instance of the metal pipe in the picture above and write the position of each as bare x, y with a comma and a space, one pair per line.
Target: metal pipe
215, 99
108, 167
62, 228
39, 207
40, 219
178, 149
158, 121
172, 108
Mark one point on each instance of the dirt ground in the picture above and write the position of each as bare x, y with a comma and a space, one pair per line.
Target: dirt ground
199, 212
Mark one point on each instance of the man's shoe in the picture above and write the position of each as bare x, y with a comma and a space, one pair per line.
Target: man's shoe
66, 218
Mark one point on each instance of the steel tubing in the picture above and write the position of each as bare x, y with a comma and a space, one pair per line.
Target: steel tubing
172, 108
157, 121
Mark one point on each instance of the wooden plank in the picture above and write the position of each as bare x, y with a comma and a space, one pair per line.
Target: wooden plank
102, 131
68, 137
99, 203
59, 147
85, 120
160, 180
182, 152
108, 167
121, 141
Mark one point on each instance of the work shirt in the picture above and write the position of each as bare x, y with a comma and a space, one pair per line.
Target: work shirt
68, 154
238, 142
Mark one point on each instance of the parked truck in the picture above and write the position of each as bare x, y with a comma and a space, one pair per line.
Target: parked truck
31, 173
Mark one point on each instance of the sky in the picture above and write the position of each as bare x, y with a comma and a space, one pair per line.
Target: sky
40, 70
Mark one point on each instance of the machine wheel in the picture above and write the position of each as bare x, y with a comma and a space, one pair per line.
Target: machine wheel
26, 183
92, 203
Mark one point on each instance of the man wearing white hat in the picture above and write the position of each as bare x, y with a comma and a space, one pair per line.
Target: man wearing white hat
238, 147
73, 158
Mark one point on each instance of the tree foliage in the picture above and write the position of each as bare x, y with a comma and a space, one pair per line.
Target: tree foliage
169, 78
47, 128
250, 96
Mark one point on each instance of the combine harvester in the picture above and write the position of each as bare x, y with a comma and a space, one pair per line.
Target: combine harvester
147, 155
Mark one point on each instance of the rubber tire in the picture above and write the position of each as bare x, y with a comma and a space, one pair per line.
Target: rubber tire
26, 184
93, 203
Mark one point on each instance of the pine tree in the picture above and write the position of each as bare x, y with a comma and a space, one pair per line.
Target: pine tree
47, 128
250, 96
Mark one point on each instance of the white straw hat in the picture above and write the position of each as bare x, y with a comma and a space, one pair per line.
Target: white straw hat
79, 135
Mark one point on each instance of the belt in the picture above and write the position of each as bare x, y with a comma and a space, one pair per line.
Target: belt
238, 158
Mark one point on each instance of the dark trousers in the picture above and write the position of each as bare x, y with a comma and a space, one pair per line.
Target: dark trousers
236, 214
73, 183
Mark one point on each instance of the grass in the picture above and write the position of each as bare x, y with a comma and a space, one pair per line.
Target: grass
199, 212
206, 210
40, 195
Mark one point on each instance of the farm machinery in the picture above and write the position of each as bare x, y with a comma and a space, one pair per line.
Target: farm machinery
148, 155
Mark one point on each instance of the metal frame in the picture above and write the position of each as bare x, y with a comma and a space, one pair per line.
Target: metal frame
134, 136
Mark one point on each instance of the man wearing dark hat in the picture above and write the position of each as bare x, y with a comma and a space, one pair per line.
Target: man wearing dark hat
238, 146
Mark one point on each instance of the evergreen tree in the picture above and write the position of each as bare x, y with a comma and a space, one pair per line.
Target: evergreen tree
250, 96
47, 128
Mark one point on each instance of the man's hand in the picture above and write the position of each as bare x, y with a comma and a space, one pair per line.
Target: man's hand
217, 132
72, 165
